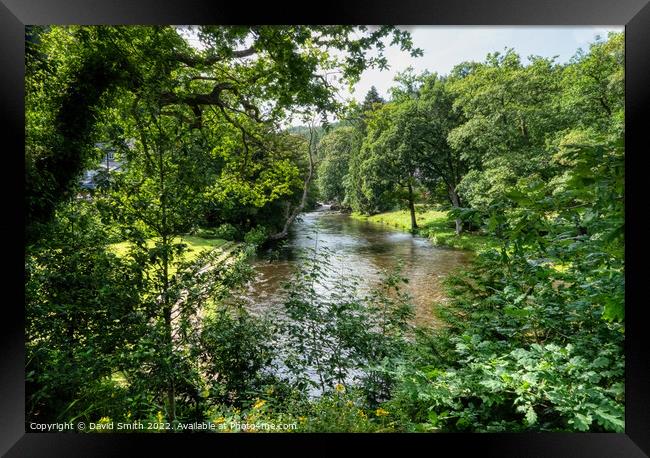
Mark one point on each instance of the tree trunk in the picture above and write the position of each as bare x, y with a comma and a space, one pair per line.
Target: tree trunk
455, 202
414, 224
296, 211
167, 308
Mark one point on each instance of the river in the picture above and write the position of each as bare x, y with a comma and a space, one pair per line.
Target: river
362, 249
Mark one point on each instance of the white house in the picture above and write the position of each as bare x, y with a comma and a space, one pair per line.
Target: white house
108, 164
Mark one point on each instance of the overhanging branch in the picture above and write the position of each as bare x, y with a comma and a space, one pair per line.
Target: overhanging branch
197, 61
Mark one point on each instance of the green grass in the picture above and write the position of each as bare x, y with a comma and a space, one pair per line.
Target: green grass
436, 226
195, 246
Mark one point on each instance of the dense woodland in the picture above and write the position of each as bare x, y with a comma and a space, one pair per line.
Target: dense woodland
131, 311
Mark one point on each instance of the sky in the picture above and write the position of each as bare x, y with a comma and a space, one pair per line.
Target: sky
444, 47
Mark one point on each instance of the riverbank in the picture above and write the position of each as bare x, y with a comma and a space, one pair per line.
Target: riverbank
434, 225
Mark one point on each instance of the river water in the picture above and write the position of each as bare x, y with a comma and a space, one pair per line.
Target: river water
362, 249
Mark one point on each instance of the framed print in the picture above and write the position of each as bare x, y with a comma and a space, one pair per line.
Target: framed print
411, 223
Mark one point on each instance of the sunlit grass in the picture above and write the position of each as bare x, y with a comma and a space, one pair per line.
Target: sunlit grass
436, 225
195, 246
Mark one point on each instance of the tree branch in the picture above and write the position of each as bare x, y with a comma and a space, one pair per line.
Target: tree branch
196, 61
296, 211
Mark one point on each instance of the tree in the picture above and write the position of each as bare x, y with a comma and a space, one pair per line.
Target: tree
292, 214
407, 144
508, 112
74, 75
593, 86
372, 100
256, 183
408, 84
431, 127
371, 186
280, 71
336, 147
358, 117
158, 198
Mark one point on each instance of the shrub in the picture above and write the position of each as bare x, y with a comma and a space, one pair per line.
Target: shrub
256, 236
226, 231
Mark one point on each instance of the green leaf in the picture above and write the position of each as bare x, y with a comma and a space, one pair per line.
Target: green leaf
433, 418
581, 422
531, 416
610, 421
614, 310
516, 312
601, 361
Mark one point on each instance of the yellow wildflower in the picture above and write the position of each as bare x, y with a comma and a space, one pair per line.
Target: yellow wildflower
381, 412
302, 419
259, 403
362, 414
219, 420
349, 403
340, 388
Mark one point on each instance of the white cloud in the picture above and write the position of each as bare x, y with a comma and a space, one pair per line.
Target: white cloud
444, 47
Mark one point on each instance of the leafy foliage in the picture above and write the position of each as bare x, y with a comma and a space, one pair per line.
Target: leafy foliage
529, 155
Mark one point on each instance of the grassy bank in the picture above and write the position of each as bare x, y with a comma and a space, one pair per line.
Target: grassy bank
195, 246
435, 225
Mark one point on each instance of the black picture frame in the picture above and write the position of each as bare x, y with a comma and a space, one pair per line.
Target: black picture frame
633, 14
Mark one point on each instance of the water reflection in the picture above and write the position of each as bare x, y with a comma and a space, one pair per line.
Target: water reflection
362, 249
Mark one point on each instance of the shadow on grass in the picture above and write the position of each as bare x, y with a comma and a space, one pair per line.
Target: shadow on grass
437, 226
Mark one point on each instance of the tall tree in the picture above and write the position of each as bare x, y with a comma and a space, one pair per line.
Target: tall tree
372, 100
434, 120
158, 199
407, 144
389, 161
335, 148
509, 109
279, 71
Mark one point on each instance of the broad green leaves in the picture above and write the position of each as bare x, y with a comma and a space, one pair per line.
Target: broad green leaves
537, 327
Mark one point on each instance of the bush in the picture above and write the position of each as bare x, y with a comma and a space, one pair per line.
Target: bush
226, 231
341, 412
256, 236
235, 348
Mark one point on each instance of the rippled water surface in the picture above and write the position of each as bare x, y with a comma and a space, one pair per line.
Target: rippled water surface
361, 249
